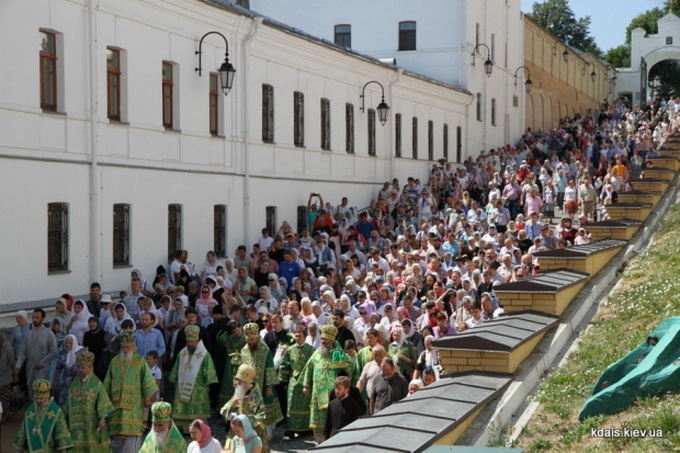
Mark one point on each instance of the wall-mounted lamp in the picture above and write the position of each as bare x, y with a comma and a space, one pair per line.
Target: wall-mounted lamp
488, 64
593, 76
565, 54
226, 71
382, 108
528, 84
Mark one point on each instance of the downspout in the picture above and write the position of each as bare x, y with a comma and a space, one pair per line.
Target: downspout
390, 140
245, 133
96, 266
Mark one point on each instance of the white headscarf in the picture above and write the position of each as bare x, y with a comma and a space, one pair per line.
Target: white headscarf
71, 354
80, 325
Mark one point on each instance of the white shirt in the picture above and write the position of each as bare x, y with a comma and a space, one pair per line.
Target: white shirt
212, 447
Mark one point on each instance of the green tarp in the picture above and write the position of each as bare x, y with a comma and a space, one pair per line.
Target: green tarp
653, 368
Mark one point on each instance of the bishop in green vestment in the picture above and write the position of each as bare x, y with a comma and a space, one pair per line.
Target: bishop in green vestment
294, 360
164, 437
193, 373
86, 409
131, 386
257, 354
232, 341
247, 400
43, 429
318, 377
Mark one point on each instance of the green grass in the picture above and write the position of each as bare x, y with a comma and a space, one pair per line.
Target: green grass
648, 294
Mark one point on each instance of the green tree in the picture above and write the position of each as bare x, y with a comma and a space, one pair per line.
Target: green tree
647, 21
618, 57
557, 17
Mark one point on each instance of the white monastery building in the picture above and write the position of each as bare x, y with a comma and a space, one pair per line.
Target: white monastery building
115, 151
437, 39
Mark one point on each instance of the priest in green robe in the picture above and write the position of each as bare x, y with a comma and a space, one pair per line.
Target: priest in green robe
44, 428
164, 437
257, 354
247, 400
294, 360
231, 341
131, 387
193, 373
318, 377
86, 409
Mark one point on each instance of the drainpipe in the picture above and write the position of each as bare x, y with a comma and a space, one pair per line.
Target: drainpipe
245, 132
390, 140
95, 268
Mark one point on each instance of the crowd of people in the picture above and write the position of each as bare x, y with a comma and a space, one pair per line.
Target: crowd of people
319, 327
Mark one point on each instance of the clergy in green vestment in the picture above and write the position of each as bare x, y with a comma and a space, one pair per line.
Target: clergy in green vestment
131, 387
318, 377
43, 429
232, 341
164, 437
192, 373
257, 354
294, 360
86, 409
247, 400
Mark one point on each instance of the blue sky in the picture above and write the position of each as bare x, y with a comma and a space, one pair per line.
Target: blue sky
608, 18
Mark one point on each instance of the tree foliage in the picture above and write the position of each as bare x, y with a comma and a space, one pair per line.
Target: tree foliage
557, 17
647, 21
618, 57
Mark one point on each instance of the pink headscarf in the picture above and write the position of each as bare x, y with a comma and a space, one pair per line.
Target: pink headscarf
404, 311
206, 432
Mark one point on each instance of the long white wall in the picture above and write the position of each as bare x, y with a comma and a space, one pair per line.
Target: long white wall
446, 34
47, 157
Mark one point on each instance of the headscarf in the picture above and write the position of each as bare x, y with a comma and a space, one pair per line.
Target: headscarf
202, 303
248, 431
71, 354
62, 331
80, 326
206, 432
113, 323
23, 314
411, 331
404, 311
316, 341
96, 329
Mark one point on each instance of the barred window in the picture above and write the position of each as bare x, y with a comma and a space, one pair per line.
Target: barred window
298, 119
349, 128
57, 237
430, 140
445, 137
414, 137
397, 135
121, 234
267, 113
325, 124
174, 230
371, 132
220, 230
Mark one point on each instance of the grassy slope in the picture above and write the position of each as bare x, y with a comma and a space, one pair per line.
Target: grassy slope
648, 293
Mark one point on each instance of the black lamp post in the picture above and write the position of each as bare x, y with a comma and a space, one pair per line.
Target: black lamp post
382, 108
226, 70
528, 84
488, 64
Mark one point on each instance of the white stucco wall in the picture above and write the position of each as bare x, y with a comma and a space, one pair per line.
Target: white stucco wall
45, 157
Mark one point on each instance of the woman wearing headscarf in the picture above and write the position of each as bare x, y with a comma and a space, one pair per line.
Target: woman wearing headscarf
203, 440
267, 300
61, 310
274, 287
19, 331
7, 361
113, 323
313, 337
67, 368
245, 438
203, 302
78, 325
95, 342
